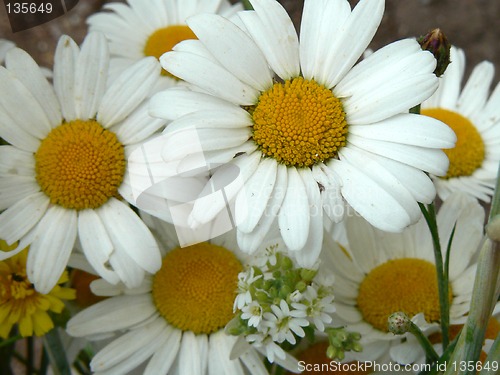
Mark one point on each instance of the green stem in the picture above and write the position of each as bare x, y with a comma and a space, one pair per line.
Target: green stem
424, 342
247, 5
56, 352
10, 340
444, 303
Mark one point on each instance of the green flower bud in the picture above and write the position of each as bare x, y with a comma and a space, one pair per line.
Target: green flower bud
398, 323
307, 275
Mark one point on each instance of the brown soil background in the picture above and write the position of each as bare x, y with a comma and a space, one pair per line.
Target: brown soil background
473, 25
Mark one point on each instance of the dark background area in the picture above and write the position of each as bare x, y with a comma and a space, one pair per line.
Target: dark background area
473, 25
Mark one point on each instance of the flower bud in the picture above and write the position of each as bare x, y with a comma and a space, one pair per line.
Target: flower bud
398, 323
437, 43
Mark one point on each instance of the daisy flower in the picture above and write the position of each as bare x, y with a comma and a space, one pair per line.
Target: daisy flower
176, 317
151, 28
21, 304
63, 175
385, 272
475, 119
306, 127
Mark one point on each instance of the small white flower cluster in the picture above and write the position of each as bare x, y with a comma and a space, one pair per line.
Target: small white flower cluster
278, 303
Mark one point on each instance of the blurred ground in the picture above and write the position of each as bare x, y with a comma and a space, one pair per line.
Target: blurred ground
473, 25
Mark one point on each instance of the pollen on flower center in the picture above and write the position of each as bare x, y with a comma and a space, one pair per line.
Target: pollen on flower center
195, 288
164, 39
299, 123
80, 165
408, 285
468, 153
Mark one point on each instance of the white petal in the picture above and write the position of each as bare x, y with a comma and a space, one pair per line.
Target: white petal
430, 160
309, 254
15, 135
209, 76
128, 91
176, 102
360, 27
294, 213
227, 182
33, 121
250, 242
90, 75
253, 199
111, 315
96, 244
370, 199
193, 354
16, 162
15, 188
233, 49
409, 129
20, 218
127, 232
28, 72
49, 253
137, 126
476, 89
219, 347
130, 349
65, 59
274, 33
319, 18
162, 360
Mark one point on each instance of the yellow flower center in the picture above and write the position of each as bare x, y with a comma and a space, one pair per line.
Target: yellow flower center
299, 123
408, 285
468, 153
21, 304
80, 165
195, 288
164, 39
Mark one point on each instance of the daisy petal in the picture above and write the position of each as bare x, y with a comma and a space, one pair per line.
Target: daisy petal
219, 362
90, 75
294, 212
272, 30
233, 49
96, 244
162, 360
65, 59
250, 242
15, 188
476, 89
409, 129
20, 218
49, 253
16, 162
370, 199
209, 76
253, 199
130, 349
176, 102
29, 73
129, 233
111, 315
128, 91
360, 26
34, 121
318, 20
193, 354
309, 254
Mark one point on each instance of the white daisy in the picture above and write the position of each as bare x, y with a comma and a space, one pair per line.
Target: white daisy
475, 118
62, 175
306, 127
150, 28
383, 272
176, 317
